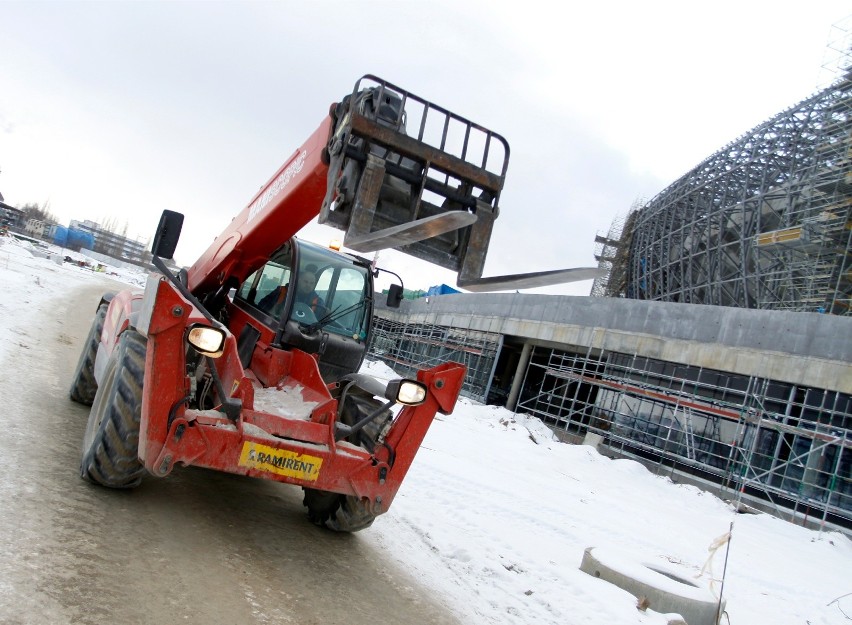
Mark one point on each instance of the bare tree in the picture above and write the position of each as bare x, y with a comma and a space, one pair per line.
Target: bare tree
41, 213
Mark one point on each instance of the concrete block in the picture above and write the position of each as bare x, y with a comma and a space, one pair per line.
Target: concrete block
592, 439
660, 590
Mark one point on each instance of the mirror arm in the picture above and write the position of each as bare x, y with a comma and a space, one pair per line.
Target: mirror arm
397, 297
342, 430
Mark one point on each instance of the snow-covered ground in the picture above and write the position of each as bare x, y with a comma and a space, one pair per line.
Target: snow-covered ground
495, 515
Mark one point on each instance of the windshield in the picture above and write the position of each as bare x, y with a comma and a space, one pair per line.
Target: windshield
330, 293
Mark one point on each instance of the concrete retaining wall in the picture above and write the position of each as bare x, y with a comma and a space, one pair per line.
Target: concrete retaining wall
808, 349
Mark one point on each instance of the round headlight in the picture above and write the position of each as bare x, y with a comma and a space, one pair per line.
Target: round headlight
206, 340
407, 392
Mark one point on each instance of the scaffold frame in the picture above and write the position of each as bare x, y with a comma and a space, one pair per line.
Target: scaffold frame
764, 223
790, 445
408, 346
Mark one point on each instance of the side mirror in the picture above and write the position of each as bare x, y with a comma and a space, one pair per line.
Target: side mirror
168, 233
394, 295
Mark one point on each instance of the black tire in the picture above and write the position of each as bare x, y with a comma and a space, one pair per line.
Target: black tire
343, 513
111, 442
357, 405
84, 386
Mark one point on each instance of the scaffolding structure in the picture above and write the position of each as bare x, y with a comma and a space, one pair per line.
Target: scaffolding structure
607, 251
406, 347
764, 223
613, 255
785, 443
838, 53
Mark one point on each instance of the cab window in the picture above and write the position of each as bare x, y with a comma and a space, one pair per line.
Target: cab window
266, 288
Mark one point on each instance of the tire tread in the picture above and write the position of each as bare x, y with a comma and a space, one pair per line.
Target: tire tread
84, 386
112, 459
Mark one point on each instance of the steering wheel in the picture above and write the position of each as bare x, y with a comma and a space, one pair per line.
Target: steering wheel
303, 314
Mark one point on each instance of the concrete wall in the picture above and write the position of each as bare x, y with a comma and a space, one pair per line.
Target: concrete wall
808, 349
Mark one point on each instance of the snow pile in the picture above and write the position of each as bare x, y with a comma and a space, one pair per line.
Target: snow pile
74, 261
10, 246
498, 523
494, 515
287, 400
379, 370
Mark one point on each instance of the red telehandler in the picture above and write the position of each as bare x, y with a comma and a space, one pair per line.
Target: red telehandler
248, 361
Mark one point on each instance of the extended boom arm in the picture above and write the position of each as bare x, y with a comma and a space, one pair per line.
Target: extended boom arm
393, 171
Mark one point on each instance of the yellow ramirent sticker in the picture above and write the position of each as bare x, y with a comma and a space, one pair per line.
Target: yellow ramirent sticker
280, 461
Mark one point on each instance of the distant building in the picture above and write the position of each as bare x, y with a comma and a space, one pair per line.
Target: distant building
10, 216
112, 244
36, 228
72, 238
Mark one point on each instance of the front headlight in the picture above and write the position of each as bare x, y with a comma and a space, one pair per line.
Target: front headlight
206, 340
407, 392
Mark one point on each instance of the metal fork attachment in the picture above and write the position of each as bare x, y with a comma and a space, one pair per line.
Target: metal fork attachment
407, 174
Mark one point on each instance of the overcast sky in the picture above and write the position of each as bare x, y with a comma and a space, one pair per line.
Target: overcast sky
117, 110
